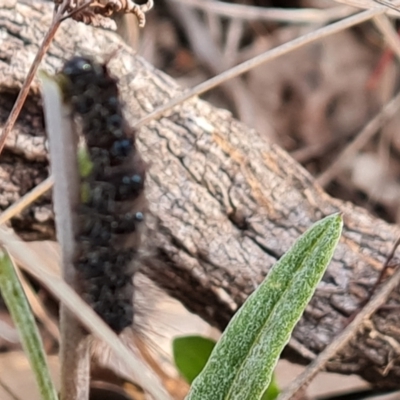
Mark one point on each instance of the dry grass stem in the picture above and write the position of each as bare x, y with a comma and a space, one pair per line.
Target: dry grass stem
8, 333
301, 349
392, 38
9, 391
389, 5
254, 13
263, 58
306, 153
234, 34
212, 57
26, 200
387, 112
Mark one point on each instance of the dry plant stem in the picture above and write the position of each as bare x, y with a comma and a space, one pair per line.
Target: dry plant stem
388, 111
214, 26
390, 34
23, 93
31, 263
26, 200
392, 4
392, 9
211, 56
8, 333
262, 58
381, 276
74, 358
8, 391
302, 350
314, 150
145, 353
234, 34
74, 347
347, 334
253, 13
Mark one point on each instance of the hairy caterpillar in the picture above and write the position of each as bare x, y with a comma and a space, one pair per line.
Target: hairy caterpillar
112, 199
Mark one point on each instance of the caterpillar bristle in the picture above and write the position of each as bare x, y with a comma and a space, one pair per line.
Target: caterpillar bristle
113, 204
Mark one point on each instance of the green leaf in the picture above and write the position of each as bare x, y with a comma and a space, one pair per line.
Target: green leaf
191, 354
273, 390
242, 363
21, 314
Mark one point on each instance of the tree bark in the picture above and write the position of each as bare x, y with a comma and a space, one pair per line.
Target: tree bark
224, 203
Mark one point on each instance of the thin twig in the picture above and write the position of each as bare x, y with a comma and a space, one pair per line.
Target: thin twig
390, 34
375, 286
8, 391
377, 72
314, 150
390, 4
301, 349
253, 13
233, 36
212, 57
387, 112
347, 334
26, 200
391, 8
8, 333
262, 58
214, 26
23, 93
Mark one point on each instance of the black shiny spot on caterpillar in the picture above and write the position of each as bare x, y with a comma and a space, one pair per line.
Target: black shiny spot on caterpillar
112, 209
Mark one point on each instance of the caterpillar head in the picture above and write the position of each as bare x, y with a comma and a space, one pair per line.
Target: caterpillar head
82, 66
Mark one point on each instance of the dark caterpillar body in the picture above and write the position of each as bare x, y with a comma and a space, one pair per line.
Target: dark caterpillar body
112, 208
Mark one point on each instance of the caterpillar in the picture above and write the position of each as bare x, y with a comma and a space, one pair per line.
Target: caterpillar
112, 176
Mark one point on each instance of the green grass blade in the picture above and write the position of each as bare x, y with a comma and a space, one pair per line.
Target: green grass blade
21, 314
242, 363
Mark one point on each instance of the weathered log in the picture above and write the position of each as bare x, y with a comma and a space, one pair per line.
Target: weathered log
224, 203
